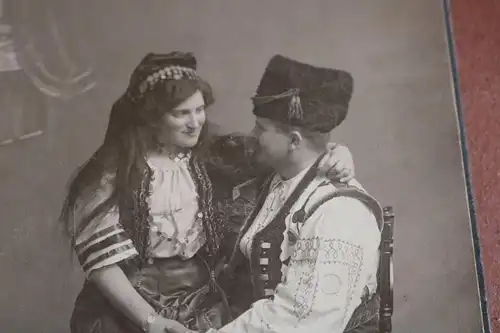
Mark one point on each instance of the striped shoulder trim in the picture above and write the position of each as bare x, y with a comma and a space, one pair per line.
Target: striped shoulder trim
105, 247
110, 257
103, 233
97, 247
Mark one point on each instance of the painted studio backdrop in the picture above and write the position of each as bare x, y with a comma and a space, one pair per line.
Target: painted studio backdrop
401, 127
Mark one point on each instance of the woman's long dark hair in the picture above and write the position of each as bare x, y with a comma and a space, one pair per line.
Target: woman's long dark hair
120, 163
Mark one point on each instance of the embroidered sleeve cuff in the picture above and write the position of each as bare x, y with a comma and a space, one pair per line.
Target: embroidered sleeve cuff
120, 255
105, 247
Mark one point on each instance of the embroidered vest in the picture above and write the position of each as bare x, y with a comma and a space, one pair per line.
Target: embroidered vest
265, 262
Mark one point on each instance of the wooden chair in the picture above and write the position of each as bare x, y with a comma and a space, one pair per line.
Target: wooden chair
386, 276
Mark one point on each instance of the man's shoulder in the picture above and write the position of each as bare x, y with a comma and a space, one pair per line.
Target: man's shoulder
333, 199
326, 191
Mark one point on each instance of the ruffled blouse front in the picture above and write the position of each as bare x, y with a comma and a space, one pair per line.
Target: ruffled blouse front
176, 226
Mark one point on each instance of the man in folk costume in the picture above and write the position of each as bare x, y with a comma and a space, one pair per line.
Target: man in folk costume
310, 247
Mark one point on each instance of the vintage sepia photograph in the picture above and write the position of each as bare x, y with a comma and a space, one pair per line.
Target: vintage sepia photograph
235, 167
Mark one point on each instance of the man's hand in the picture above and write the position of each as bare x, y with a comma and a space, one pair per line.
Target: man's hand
337, 164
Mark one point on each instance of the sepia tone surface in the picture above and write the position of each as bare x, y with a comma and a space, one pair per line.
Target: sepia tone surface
402, 130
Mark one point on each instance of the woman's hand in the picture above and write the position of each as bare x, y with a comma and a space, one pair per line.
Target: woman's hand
115, 285
337, 164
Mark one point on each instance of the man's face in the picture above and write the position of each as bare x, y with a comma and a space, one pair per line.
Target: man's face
272, 144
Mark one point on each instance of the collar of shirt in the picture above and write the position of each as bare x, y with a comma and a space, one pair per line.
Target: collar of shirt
288, 185
165, 159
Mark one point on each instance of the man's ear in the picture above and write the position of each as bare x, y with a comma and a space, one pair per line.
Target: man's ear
295, 139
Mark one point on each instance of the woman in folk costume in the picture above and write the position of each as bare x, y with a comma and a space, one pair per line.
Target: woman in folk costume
145, 220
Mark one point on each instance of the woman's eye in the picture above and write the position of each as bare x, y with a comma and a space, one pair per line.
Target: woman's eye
179, 114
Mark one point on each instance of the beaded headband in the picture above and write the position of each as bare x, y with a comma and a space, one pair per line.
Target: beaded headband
167, 73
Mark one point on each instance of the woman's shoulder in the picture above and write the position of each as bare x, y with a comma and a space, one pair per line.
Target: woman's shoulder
95, 193
105, 184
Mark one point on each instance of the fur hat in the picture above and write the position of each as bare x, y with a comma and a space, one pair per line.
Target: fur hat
303, 95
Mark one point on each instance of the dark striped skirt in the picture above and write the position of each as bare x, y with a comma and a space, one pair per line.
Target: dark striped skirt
177, 289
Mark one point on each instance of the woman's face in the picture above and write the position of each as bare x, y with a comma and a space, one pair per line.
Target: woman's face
182, 125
